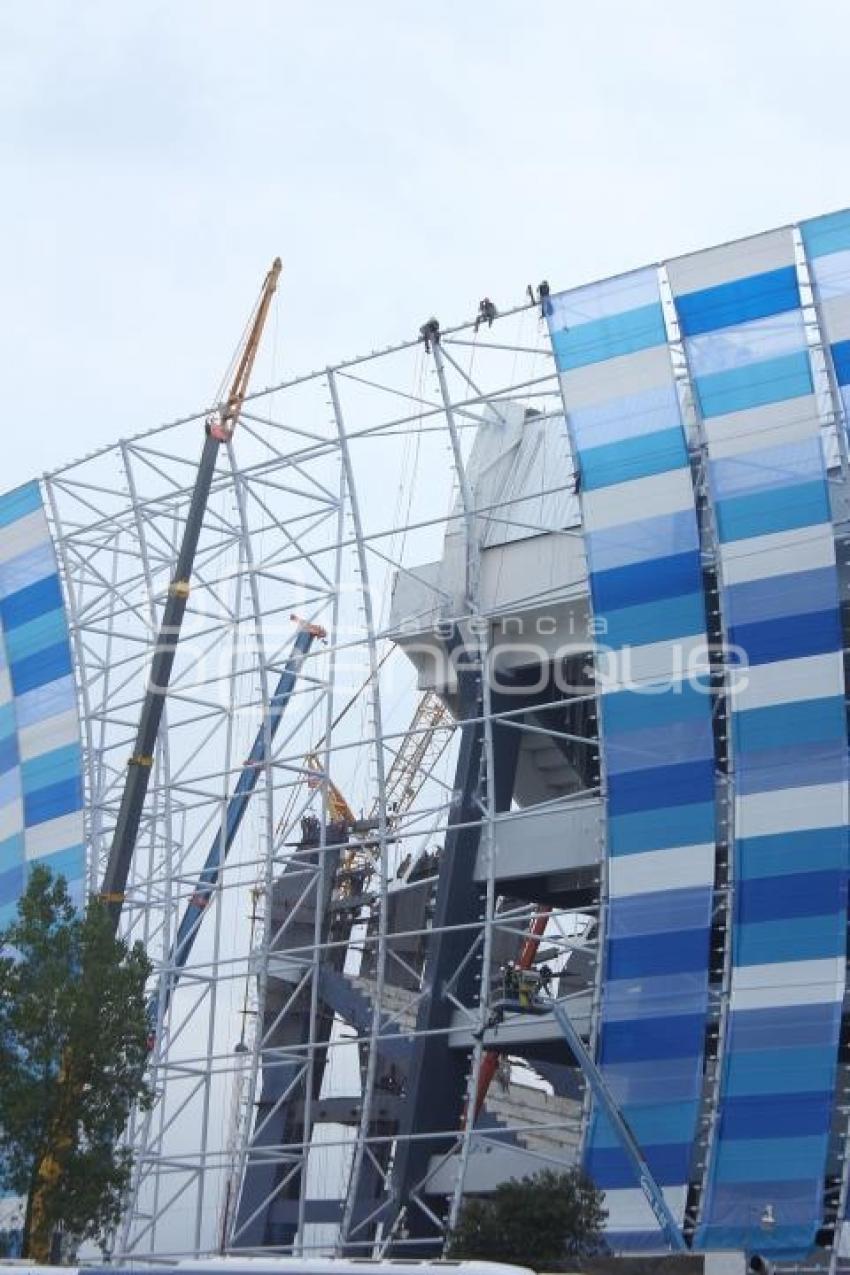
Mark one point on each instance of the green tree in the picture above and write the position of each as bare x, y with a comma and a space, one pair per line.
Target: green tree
73, 1055
541, 1221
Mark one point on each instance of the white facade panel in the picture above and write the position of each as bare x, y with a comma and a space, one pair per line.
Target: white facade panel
764, 814
731, 261
737, 433
782, 553
630, 373
666, 493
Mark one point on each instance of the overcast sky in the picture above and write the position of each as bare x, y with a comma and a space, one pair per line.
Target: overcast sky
402, 159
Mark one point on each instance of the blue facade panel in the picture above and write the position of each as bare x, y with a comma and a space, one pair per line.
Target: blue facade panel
738, 301
788, 750
41, 785
657, 744
739, 313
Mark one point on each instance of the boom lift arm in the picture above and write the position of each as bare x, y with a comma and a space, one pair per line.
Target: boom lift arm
139, 766
618, 1122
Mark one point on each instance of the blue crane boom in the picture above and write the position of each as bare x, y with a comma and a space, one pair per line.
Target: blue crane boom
236, 807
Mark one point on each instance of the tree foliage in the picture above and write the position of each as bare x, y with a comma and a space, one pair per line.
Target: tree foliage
540, 1221
73, 1054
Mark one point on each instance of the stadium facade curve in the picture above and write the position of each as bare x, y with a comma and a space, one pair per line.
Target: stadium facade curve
633, 621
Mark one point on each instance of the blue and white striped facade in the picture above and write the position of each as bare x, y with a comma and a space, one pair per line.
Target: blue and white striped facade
657, 752
740, 317
41, 785
827, 245
779, 781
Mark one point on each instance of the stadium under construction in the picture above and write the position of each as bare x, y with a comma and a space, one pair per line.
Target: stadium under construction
463, 730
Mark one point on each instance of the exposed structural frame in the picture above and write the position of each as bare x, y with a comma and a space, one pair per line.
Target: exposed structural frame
370, 1071
116, 551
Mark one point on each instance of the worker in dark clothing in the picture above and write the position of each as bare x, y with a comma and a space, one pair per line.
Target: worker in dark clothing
430, 333
486, 313
546, 977
541, 298
545, 303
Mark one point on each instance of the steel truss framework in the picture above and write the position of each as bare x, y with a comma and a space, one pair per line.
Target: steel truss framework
335, 483
317, 1071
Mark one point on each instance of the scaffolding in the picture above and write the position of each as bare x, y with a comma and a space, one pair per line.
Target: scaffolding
292, 1064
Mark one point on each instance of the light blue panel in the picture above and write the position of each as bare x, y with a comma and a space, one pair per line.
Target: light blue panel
784, 766
11, 888
69, 862
631, 416
762, 513
818, 849
8, 722
638, 1082
675, 992
51, 768
11, 852
619, 295
8, 752
746, 343
664, 536
45, 701
755, 385
778, 1027
610, 337
799, 723
653, 1125
646, 749
26, 568
10, 786
8, 913
830, 279
780, 1071
661, 829
28, 639
665, 618
18, 503
785, 1242
794, 1201
770, 1159
629, 459
823, 235
660, 912
768, 468
644, 709
810, 938
776, 597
